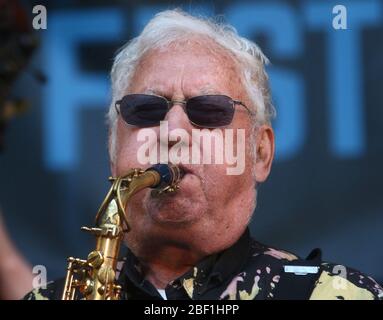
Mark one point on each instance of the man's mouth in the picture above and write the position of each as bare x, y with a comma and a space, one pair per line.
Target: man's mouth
186, 169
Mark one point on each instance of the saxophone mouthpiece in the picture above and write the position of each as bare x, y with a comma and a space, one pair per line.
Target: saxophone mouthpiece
170, 175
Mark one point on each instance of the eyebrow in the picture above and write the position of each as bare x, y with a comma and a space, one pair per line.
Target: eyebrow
206, 90
151, 91
209, 90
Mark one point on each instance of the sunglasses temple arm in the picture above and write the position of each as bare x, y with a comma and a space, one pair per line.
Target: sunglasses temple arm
116, 105
243, 105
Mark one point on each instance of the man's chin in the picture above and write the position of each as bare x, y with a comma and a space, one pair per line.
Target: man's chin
169, 216
174, 212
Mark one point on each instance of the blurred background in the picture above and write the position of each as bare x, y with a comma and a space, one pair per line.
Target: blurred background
326, 185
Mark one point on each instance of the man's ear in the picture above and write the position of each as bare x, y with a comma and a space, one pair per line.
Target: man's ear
264, 152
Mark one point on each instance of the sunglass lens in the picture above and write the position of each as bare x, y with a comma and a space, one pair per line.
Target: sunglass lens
143, 110
211, 111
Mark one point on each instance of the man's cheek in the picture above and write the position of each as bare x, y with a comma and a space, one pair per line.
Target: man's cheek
126, 159
215, 179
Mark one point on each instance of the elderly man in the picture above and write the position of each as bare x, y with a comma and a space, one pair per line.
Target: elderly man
193, 74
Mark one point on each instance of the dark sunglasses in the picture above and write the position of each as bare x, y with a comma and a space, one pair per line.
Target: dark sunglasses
208, 111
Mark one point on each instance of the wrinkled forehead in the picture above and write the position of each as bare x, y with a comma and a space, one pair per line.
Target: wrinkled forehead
192, 66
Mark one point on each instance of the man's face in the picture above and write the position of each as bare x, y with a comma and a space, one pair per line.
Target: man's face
211, 209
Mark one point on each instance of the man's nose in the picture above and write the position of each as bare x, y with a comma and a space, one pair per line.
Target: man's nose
177, 118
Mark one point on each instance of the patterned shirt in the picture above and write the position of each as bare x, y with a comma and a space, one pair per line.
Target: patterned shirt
248, 270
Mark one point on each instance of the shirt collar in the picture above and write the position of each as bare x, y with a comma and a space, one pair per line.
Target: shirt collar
211, 271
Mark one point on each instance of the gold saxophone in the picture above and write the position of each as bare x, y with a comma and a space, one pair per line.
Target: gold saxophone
95, 278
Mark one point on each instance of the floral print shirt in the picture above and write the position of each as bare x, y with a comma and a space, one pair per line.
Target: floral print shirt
248, 270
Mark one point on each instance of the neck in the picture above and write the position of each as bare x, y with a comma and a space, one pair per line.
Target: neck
167, 264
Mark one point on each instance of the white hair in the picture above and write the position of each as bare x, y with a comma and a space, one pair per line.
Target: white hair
175, 25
